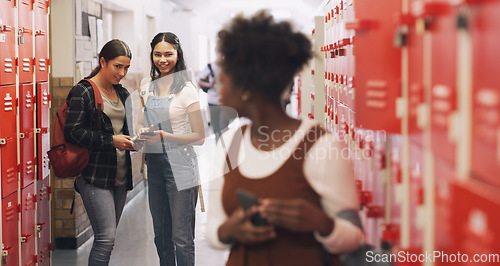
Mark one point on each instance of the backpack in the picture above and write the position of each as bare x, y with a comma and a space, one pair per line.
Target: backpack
207, 79
68, 159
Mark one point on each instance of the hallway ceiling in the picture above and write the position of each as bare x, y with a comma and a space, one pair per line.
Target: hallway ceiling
301, 12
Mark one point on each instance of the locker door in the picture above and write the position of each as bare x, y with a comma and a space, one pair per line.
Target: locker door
7, 43
475, 219
417, 217
27, 206
25, 41
43, 123
44, 246
26, 117
43, 221
377, 79
8, 139
43, 203
43, 140
9, 230
444, 173
43, 101
443, 88
485, 32
415, 63
41, 41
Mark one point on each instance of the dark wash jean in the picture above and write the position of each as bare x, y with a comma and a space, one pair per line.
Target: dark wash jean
104, 207
173, 213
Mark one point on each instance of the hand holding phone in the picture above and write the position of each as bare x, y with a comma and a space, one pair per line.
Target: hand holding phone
148, 133
139, 141
248, 200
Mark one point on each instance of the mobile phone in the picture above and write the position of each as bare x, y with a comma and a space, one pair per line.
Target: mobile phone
248, 200
140, 140
148, 133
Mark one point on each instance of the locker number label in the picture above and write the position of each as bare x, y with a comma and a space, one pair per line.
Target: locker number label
2, 37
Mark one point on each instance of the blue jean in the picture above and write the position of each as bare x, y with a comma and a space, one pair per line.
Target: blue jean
104, 207
173, 213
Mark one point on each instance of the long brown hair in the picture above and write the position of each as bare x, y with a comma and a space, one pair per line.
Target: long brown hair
110, 51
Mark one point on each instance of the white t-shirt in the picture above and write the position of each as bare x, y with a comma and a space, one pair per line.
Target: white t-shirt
178, 108
178, 112
331, 176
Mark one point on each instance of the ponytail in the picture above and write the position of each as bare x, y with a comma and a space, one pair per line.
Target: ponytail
95, 71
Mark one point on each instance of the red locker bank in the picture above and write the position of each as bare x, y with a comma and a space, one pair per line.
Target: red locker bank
25, 132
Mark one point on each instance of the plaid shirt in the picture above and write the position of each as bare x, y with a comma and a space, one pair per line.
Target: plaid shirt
80, 129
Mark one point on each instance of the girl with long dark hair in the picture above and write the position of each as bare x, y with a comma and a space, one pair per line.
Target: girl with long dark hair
172, 123
103, 184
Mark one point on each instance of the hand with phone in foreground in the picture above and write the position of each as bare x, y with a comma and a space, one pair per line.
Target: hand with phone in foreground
296, 215
151, 136
243, 226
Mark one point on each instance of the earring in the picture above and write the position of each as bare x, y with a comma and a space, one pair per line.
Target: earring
244, 97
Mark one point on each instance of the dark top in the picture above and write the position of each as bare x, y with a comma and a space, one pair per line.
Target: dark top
81, 129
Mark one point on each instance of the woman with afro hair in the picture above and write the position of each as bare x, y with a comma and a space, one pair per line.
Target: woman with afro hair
306, 192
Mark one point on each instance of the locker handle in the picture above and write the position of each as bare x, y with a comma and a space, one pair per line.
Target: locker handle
40, 33
25, 238
362, 24
24, 30
5, 28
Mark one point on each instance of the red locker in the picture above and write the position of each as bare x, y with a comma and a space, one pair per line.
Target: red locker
391, 230
10, 240
444, 174
475, 219
414, 43
8, 139
25, 41
43, 103
485, 33
416, 195
27, 124
7, 43
44, 246
378, 65
28, 251
43, 202
41, 40
43, 124
42, 157
43, 221
443, 31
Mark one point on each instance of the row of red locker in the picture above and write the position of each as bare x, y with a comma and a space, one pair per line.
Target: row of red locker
33, 236
24, 114
429, 33
31, 31
28, 134
339, 53
378, 72
377, 160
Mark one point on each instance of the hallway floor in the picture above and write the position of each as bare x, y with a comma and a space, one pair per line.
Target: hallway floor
134, 240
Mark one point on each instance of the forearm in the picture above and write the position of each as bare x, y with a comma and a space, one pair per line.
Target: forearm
187, 138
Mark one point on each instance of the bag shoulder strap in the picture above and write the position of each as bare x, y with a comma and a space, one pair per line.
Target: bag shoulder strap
211, 70
97, 95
